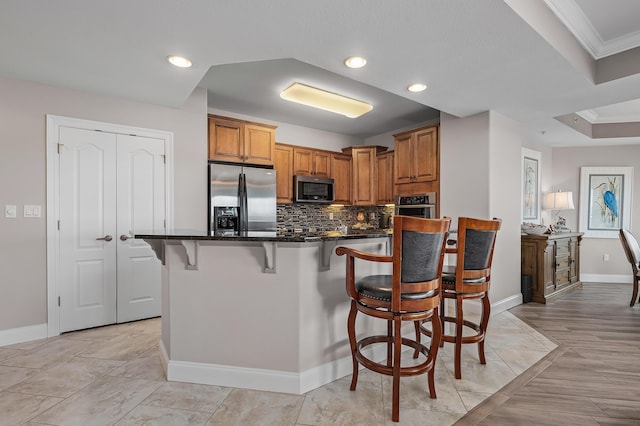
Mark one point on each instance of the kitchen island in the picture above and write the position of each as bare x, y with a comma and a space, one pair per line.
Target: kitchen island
260, 311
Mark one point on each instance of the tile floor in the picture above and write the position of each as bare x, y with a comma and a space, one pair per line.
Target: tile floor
113, 376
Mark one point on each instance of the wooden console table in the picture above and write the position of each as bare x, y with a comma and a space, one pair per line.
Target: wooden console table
553, 261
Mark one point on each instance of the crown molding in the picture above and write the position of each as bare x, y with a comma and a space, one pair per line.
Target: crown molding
572, 16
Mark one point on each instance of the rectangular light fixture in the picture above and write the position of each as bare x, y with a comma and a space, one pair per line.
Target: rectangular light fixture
332, 102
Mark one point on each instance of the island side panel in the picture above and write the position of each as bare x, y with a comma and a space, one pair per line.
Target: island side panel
229, 312
325, 306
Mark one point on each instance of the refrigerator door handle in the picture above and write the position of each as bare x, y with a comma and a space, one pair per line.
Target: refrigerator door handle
242, 195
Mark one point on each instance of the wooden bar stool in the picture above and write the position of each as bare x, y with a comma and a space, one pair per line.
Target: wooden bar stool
469, 279
411, 293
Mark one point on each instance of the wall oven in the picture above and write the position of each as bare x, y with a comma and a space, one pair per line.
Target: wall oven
420, 205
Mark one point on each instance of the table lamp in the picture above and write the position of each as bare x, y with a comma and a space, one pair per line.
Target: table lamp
556, 202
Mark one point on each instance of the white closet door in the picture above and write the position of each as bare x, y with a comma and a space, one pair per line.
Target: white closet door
141, 207
87, 272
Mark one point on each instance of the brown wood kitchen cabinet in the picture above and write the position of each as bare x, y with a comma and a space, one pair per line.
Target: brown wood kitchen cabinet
240, 141
384, 178
311, 162
342, 177
553, 262
283, 164
364, 174
416, 156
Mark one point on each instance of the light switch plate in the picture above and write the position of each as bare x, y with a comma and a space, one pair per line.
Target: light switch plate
32, 210
10, 211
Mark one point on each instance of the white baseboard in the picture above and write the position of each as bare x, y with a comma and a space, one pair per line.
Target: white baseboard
506, 304
23, 334
609, 278
265, 380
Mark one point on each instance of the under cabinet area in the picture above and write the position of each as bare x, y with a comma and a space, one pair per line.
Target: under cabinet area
240, 141
553, 262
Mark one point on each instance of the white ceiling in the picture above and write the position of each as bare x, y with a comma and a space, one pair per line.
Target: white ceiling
509, 56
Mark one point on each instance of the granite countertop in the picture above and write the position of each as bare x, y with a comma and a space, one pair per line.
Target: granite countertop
266, 236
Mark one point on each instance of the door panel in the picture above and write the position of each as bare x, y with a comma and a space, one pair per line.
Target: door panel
110, 185
87, 211
140, 207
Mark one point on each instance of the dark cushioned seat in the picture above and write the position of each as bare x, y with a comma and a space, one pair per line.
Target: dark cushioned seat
379, 287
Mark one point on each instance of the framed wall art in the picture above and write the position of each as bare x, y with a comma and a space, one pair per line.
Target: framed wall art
605, 200
530, 185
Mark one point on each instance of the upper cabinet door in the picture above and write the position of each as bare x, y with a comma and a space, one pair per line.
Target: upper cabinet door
416, 156
226, 140
426, 154
302, 161
342, 178
364, 176
311, 162
283, 163
259, 143
385, 178
240, 141
403, 169
322, 164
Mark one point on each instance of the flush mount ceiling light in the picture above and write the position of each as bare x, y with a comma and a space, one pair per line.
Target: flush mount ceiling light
321, 99
355, 62
179, 61
417, 87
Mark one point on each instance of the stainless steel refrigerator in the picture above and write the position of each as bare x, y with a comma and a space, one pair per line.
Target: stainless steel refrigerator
242, 199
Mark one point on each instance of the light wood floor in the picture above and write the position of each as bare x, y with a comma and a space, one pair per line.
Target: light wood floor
591, 378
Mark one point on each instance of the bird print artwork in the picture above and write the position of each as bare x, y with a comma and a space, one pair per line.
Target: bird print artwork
608, 202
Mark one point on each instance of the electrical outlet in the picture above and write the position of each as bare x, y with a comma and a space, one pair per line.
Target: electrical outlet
372, 216
330, 215
605, 257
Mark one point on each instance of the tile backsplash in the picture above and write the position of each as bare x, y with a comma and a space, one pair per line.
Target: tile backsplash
301, 217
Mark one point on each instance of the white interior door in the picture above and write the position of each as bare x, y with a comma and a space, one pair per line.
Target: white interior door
110, 185
87, 272
141, 207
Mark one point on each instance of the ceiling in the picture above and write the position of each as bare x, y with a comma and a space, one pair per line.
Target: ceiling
531, 61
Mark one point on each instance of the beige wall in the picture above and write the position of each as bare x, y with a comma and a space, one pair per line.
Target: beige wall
505, 195
23, 106
566, 176
480, 177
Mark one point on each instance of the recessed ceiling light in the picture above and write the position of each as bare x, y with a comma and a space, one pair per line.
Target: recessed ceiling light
355, 62
179, 61
417, 87
327, 101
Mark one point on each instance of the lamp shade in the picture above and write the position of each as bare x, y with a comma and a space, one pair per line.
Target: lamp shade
558, 201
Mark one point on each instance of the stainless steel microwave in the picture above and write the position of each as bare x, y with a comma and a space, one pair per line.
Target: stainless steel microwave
309, 189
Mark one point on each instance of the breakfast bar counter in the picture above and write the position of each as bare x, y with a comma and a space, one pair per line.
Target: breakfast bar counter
260, 312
